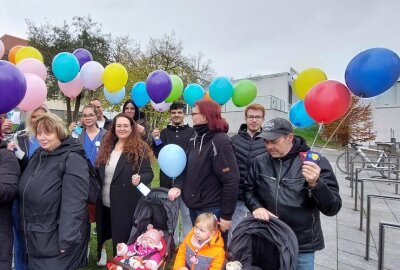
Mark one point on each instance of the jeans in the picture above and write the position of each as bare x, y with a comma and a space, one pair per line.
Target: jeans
19, 245
240, 213
305, 261
186, 222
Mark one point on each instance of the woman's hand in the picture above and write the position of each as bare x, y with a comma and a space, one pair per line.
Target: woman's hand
174, 193
135, 179
72, 126
141, 129
11, 146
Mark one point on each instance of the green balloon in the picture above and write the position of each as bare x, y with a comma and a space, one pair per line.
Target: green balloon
244, 92
177, 88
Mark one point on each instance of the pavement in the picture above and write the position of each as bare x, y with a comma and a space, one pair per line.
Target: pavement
344, 242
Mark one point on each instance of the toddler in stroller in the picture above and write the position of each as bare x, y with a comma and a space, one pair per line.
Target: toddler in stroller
263, 244
151, 244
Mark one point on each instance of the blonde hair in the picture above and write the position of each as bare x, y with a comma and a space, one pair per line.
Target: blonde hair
28, 125
209, 219
51, 123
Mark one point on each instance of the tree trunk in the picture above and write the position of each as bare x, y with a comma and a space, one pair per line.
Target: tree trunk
77, 106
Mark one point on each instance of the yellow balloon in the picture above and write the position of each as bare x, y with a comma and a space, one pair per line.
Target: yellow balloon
306, 80
28, 52
114, 77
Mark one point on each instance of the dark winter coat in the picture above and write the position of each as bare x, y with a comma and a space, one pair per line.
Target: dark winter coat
279, 186
107, 123
179, 135
9, 175
54, 207
124, 198
246, 149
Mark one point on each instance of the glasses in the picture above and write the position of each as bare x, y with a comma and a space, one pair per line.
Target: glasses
256, 117
88, 115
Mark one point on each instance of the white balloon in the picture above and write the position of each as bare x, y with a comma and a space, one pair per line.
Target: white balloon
2, 49
91, 73
161, 107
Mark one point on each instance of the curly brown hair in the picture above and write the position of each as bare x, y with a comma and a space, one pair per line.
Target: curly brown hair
134, 147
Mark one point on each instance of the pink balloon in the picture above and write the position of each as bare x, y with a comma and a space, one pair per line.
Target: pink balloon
73, 88
36, 93
1, 49
160, 107
91, 73
34, 66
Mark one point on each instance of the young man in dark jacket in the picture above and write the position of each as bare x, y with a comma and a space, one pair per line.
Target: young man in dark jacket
281, 184
247, 147
177, 132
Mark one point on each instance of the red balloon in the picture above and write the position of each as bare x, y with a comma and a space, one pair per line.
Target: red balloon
327, 101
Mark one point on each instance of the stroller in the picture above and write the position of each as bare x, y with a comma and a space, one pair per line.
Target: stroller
260, 244
158, 210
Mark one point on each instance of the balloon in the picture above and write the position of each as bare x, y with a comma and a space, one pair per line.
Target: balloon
161, 107
114, 77
13, 52
36, 93
177, 88
306, 80
139, 94
91, 73
114, 97
245, 91
299, 116
158, 85
83, 56
372, 72
172, 160
327, 101
221, 90
65, 67
2, 49
73, 88
12, 86
192, 93
34, 66
28, 52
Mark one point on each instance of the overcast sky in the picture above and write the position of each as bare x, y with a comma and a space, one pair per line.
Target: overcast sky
241, 38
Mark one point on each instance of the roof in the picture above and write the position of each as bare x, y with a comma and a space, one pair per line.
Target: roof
11, 41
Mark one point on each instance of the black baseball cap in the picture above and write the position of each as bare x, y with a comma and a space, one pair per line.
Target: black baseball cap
275, 128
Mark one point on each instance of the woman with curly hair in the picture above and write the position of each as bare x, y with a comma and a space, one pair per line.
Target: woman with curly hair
123, 162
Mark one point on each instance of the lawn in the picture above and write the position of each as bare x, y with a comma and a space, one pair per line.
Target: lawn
309, 135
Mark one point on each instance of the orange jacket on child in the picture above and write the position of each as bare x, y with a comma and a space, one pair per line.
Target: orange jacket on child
210, 256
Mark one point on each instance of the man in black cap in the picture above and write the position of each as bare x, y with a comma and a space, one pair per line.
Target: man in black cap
293, 184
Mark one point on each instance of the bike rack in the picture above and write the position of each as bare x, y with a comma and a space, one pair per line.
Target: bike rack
367, 231
381, 250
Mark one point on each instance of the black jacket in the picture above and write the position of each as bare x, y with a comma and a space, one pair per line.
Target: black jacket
107, 123
246, 149
211, 177
179, 135
279, 186
9, 175
54, 207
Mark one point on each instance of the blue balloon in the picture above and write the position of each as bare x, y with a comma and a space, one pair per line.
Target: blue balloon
372, 72
299, 116
221, 90
116, 97
172, 160
139, 94
192, 93
65, 67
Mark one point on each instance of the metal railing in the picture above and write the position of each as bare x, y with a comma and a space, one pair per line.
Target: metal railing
381, 250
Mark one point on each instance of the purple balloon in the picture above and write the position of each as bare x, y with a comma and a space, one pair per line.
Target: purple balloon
158, 86
83, 56
12, 86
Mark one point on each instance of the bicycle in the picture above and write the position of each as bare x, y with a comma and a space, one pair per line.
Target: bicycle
360, 159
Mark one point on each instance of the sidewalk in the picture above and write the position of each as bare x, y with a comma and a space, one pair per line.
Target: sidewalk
344, 242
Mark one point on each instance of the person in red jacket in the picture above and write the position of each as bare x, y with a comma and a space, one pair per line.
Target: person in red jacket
203, 247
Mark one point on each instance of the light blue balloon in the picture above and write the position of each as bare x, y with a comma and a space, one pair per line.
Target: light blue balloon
139, 94
114, 98
65, 67
221, 90
192, 93
299, 116
172, 160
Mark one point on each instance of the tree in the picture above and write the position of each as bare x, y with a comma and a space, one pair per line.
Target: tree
357, 126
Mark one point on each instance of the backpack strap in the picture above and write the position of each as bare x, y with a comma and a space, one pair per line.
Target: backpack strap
61, 165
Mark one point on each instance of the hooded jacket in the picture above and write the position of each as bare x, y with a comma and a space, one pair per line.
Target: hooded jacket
246, 149
53, 209
278, 185
210, 256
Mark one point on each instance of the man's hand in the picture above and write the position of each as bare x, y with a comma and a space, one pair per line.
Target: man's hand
311, 172
262, 213
140, 129
155, 133
174, 193
224, 225
7, 126
135, 179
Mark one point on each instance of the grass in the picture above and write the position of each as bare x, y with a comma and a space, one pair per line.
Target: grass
309, 135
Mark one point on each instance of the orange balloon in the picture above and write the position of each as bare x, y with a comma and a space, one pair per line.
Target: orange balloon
207, 96
13, 52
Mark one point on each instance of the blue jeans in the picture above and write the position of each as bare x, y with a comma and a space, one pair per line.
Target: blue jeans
19, 245
305, 261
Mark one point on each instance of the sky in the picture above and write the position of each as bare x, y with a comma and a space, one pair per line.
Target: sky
241, 38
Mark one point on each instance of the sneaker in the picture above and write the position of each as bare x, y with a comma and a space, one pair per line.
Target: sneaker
88, 253
103, 258
95, 231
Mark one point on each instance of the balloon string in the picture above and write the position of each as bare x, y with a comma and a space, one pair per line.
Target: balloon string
316, 135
